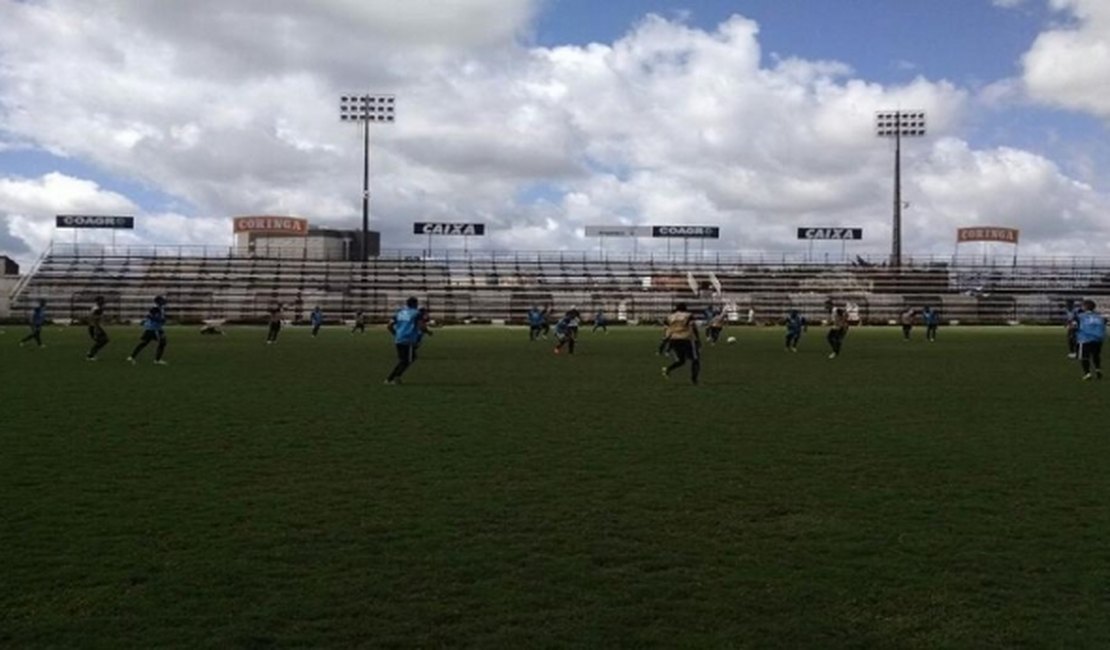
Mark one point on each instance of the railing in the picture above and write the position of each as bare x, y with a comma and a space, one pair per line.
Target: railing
713, 259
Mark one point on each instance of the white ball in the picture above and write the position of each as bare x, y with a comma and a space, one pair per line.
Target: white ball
731, 339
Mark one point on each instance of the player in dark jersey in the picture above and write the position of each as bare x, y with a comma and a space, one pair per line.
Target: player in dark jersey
1071, 316
932, 321
153, 330
95, 321
601, 322
838, 331
360, 323
275, 323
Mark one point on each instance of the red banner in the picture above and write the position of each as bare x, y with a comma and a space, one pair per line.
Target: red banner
988, 233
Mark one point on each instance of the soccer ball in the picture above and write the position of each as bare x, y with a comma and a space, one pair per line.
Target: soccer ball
731, 340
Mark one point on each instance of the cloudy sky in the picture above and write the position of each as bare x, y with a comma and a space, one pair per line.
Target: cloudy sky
538, 117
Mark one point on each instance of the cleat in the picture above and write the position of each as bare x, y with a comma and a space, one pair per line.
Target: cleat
556, 350
1087, 377
1072, 355
666, 373
832, 355
131, 360
389, 382
90, 358
161, 362
793, 349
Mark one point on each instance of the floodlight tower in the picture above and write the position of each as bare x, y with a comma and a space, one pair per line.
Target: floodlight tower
366, 109
897, 124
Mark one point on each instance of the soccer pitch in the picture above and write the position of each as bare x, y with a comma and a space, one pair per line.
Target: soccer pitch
906, 494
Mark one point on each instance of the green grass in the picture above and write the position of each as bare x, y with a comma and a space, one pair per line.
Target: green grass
905, 495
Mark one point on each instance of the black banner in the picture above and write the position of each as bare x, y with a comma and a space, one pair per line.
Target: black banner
462, 229
830, 233
93, 221
687, 232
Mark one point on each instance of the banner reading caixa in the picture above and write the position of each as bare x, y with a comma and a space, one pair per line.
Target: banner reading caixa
449, 228
988, 233
94, 221
272, 225
687, 232
830, 233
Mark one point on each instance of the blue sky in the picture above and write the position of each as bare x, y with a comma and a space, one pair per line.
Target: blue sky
189, 112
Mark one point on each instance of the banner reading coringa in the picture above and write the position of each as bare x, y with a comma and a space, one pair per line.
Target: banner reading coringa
272, 225
988, 233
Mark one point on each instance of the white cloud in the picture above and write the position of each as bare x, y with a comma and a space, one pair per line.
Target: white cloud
233, 109
1069, 66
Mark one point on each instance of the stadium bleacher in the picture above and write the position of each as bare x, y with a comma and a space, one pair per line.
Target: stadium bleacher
208, 284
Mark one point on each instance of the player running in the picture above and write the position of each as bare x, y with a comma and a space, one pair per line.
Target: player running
1071, 316
685, 343
407, 327
600, 322
95, 321
360, 323
932, 321
795, 323
838, 331
537, 323
566, 331
37, 320
1090, 332
715, 324
317, 319
906, 319
275, 323
153, 330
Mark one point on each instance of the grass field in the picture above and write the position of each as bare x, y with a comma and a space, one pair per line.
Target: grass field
905, 495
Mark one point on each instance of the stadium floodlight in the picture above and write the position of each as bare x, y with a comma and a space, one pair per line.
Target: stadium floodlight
898, 124
366, 108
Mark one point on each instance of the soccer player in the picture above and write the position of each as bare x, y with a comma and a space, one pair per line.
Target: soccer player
907, 322
1090, 331
566, 331
360, 323
275, 323
795, 323
682, 332
37, 320
317, 319
838, 331
95, 321
1071, 315
600, 322
932, 321
715, 319
407, 327
153, 330
537, 322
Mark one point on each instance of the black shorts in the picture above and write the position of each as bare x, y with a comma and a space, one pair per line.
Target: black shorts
684, 349
152, 335
97, 333
275, 327
1090, 350
406, 352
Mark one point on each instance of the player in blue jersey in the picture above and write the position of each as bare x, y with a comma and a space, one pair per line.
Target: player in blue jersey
317, 319
407, 327
537, 323
795, 323
37, 320
600, 322
1090, 332
153, 330
566, 331
932, 321
1071, 314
